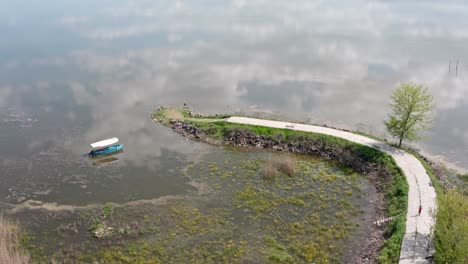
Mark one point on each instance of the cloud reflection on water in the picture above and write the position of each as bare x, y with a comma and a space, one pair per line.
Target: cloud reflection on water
326, 61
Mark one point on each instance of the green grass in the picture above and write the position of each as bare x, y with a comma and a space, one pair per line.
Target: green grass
395, 186
451, 216
221, 116
463, 177
451, 226
160, 114
464, 182
396, 189
396, 194
451, 239
368, 135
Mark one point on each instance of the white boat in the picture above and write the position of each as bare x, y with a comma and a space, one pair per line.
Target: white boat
105, 143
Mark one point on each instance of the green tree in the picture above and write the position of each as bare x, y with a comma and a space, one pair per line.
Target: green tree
412, 107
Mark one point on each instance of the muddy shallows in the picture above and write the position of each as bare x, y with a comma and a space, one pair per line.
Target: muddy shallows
247, 207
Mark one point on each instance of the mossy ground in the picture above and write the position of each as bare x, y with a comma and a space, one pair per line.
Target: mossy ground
303, 218
304, 215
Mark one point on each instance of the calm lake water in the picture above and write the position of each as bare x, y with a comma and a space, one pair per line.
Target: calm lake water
75, 72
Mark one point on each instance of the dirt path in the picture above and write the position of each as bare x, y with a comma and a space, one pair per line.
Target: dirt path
417, 242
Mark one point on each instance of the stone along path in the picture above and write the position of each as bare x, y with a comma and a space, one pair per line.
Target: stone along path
417, 242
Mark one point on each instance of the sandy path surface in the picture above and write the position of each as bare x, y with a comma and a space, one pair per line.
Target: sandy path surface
416, 245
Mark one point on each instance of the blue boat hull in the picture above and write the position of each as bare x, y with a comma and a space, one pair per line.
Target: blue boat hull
106, 150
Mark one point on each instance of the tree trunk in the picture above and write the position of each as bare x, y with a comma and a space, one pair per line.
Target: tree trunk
401, 139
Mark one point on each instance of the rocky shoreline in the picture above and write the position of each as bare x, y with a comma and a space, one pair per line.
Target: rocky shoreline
368, 251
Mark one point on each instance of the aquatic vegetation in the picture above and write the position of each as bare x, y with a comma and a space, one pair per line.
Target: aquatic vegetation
135, 253
243, 218
275, 252
107, 210
295, 201
257, 200
310, 251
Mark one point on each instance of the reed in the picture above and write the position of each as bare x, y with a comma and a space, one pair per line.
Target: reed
10, 250
278, 164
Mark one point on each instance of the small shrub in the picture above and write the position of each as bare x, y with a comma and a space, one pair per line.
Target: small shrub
279, 164
269, 172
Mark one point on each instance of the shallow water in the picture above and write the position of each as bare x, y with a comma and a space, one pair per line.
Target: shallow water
82, 71
234, 216
74, 72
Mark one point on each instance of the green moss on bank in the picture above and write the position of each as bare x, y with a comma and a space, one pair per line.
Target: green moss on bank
396, 187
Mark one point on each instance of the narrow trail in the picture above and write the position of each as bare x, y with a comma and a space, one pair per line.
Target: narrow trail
417, 242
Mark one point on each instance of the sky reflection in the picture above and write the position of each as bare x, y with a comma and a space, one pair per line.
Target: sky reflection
330, 62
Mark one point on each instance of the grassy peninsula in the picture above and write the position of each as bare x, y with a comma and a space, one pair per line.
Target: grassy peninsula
385, 174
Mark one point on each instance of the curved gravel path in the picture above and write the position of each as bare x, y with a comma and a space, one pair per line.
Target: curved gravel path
417, 242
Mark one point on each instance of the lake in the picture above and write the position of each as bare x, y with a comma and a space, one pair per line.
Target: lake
75, 72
